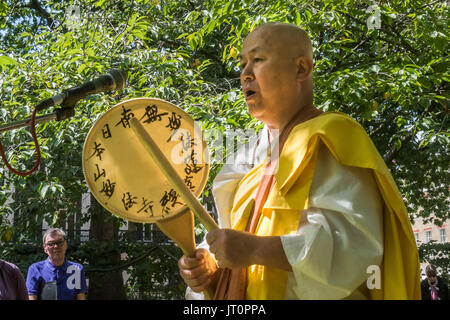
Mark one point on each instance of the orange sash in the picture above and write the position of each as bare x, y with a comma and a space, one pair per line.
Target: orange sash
232, 283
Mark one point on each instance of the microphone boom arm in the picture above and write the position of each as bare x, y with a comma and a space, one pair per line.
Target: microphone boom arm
59, 114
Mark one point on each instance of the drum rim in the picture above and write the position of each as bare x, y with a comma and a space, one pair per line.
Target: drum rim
182, 209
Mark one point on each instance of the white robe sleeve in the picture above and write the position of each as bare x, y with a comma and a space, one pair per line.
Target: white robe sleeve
340, 234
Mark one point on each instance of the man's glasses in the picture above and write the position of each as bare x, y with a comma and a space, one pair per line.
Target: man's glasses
55, 243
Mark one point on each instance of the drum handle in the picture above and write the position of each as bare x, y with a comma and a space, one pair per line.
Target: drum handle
164, 165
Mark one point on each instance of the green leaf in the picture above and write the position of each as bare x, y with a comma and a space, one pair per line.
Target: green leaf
193, 41
99, 3
139, 33
298, 18
43, 190
81, 68
4, 60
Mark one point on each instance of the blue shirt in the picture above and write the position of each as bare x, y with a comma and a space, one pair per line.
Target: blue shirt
69, 277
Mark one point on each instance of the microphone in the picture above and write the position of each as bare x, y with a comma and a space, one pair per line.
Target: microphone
114, 79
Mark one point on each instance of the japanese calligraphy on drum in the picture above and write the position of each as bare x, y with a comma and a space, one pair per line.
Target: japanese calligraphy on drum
121, 174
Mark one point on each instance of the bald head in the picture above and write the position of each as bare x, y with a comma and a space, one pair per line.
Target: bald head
287, 37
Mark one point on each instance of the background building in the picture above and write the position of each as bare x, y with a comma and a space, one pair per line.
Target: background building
426, 232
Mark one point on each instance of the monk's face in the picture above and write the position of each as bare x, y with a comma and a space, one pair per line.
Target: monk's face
269, 75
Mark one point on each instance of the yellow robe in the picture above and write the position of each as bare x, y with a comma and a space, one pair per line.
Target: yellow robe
351, 146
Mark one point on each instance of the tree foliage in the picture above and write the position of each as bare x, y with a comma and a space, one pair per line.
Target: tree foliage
392, 78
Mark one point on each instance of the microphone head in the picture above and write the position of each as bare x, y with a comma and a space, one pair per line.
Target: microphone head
119, 77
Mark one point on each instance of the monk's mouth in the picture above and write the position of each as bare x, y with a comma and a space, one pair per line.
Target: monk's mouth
249, 93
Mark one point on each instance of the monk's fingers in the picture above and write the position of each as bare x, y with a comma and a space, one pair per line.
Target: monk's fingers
201, 253
193, 273
197, 279
213, 248
189, 262
212, 235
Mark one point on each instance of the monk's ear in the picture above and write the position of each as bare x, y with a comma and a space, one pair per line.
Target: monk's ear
304, 68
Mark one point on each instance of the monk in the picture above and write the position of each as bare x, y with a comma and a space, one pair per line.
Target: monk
321, 218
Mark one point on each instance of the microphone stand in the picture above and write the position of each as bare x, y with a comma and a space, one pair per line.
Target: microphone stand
60, 114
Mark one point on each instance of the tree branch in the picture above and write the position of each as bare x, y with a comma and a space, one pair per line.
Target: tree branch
405, 139
389, 120
394, 150
394, 33
35, 5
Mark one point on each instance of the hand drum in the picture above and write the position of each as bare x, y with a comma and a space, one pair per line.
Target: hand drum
145, 160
